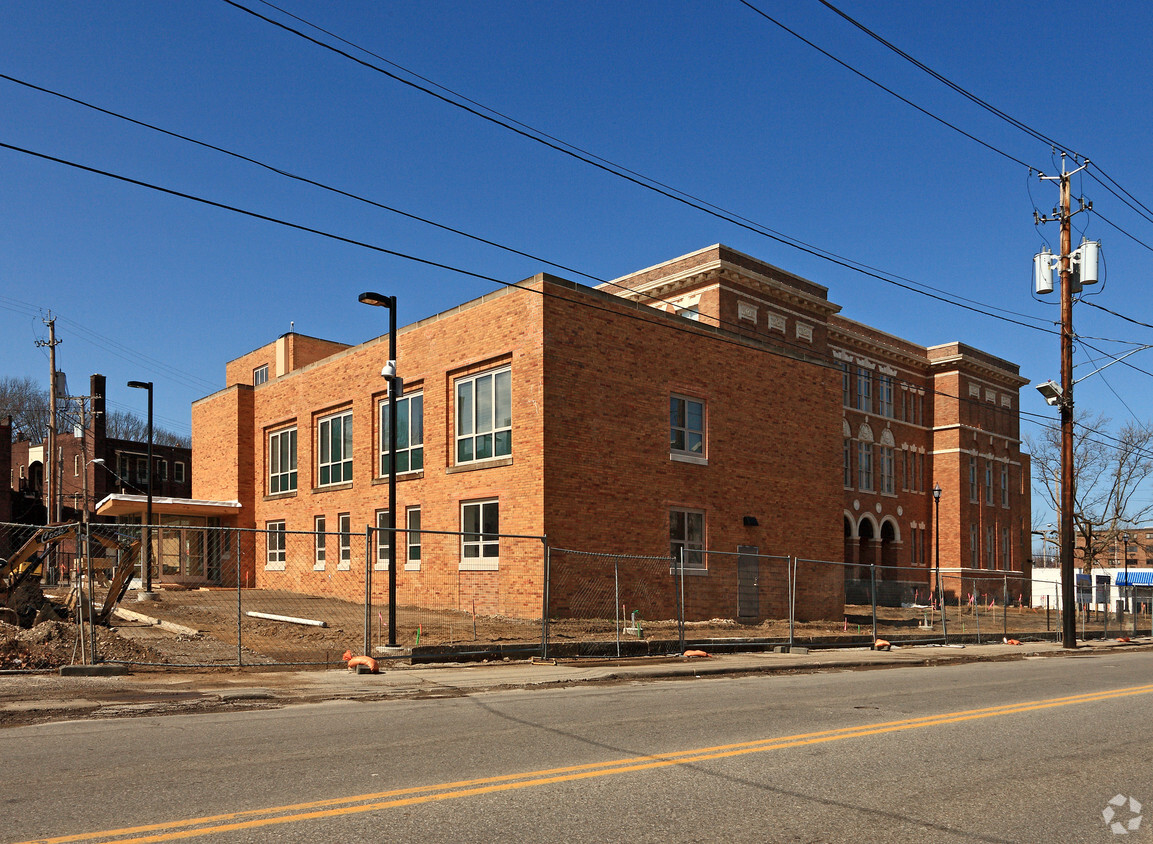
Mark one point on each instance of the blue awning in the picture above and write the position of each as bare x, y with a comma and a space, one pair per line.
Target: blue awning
1135, 578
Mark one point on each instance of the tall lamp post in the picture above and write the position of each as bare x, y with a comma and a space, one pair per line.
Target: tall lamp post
937, 554
389, 373
1128, 588
146, 564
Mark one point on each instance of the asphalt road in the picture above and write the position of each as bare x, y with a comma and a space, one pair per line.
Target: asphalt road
1026, 751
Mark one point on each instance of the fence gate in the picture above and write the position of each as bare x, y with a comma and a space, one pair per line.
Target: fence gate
748, 595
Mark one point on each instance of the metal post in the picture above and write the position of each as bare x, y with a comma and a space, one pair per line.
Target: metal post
239, 613
873, 594
617, 602
680, 590
792, 597
937, 537
544, 613
91, 595
368, 589
1005, 606
146, 573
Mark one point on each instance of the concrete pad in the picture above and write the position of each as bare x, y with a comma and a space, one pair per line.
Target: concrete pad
101, 670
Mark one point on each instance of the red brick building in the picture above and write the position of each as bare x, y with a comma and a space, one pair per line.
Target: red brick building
705, 406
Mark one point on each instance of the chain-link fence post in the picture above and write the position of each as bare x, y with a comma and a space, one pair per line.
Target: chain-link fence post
544, 631
873, 595
791, 566
238, 545
368, 588
680, 590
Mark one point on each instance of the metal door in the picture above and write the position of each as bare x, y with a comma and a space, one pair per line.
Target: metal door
748, 591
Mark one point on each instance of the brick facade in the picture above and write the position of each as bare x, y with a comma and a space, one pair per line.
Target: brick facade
757, 353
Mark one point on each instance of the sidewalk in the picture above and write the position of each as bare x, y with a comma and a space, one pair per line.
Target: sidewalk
37, 698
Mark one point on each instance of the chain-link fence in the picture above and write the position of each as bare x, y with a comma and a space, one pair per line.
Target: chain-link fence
230, 597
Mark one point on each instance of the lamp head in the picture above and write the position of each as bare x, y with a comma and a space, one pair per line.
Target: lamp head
377, 299
140, 385
1052, 392
936, 492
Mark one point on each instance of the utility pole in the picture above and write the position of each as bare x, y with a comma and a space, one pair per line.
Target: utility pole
51, 505
1064, 400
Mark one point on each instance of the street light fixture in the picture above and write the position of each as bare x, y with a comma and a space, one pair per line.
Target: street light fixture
1128, 588
146, 560
937, 532
394, 386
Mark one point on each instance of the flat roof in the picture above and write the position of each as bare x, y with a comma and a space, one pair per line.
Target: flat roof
131, 505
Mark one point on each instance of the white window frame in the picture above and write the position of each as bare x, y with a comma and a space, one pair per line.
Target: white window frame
178, 471
846, 385
412, 538
320, 543
989, 483
864, 389
342, 463
484, 545
276, 546
344, 527
974, 487
865, 467
383, 540
848, 462
694, 556
885, 395
412, 452
692, 439
888, 471
282, 478
471, 428
1005, 485
260, 375
974, 547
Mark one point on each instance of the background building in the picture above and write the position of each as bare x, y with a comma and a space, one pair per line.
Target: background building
707, 407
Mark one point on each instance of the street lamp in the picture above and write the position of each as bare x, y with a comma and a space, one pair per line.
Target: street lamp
937, 531
146, 564
389, 373
1128, 590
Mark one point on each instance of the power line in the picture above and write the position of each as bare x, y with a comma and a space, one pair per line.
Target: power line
645, 182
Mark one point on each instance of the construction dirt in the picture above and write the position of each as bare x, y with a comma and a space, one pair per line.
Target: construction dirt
210, 628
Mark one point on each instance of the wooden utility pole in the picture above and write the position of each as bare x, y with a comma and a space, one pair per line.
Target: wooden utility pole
51, 505
1064, 215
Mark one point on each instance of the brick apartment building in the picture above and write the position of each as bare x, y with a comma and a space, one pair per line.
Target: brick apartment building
708, 404
124, 470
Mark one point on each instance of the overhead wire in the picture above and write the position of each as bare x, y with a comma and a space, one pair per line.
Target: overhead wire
643, 181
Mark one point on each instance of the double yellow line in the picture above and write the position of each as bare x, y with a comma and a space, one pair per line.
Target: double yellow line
337, 807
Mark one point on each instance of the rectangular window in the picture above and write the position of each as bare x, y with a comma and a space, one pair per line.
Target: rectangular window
865, 467
686, 426
920, 409
904, 405
888, 472
846, 382
1004, 484
178, 472
687, 538
259, 375
76, 466
990, 548
320, 541
162, 469
1005, 548
344, 525
276, 545
864, 390
974, 491
989, 482
409, 434
480, 540
335, 452
848, 463
142, 471
383, 540
282, 461
974, 548
412, 538
484, 416
885, 395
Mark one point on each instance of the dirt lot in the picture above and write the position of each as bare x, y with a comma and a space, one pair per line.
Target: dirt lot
202, 629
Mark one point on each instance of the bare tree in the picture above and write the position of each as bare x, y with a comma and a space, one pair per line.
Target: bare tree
27, 403
126, 425
1108, 470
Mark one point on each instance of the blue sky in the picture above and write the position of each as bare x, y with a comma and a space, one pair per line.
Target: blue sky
707, 97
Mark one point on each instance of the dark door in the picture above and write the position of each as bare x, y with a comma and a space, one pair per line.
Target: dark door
748, 593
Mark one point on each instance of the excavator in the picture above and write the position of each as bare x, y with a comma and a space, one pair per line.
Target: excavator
20, 599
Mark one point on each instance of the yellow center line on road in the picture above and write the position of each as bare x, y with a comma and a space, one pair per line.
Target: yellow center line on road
337, 807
